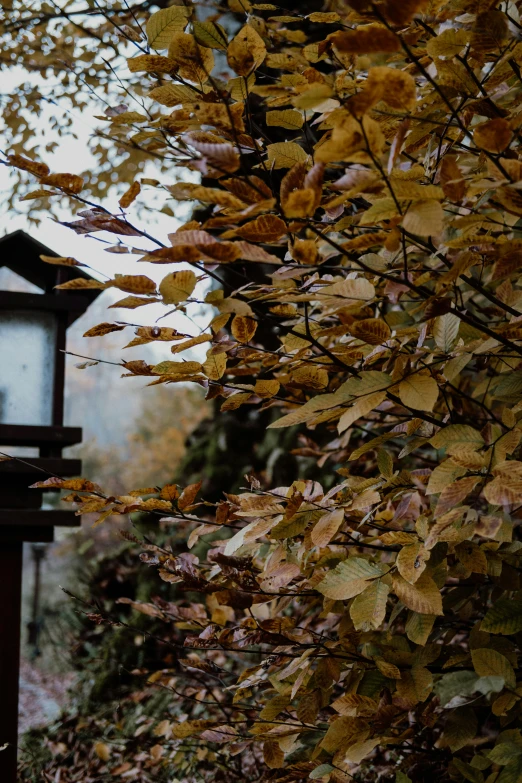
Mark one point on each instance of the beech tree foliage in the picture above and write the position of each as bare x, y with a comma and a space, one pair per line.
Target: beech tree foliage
356, 176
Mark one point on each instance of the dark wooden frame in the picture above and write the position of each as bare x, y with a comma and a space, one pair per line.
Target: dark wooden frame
21, 518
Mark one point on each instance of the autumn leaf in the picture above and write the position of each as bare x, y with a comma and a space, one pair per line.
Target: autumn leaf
419, 392
130, 195
104, 328
246, 51
349, 578
494, 135
267, 228
423, 597
371, 330
369, 607
285, 154
288, 118
61, 261
342, 203
177, 287
243, 328
162, 25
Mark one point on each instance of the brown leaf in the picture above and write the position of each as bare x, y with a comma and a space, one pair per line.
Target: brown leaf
61, 261
243, 328
130, 195
134, 284
266, 228
68, 182
188, 495
246, 51
104, 328
25, 164
423, 597
371, 330
493, 135
365, 40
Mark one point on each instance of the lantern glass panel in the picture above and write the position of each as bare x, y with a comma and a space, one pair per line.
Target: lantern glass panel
27, 357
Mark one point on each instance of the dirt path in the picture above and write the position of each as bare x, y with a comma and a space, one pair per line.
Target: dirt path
42, 696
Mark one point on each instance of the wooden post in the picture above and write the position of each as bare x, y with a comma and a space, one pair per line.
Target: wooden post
10, 617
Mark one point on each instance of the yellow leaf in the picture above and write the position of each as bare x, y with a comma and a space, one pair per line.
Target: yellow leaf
455, 493
246, 51
349, 578
388, 669
445, 331
382, 209
355, 290
176, 368
134, 284
457, 435
101, 329
373, 331
360, 408
151, 63
423, 597
424, 218
310, 377
490, 663
61, 261
327, 526
449, 43
505, 617
162, 25
394, 87
235, 401
353, 704
368, 609
103, 751
193, 341
453, 73
177, 287
210, 34
411, 561
419, 392
243, 328
285, 154
460, 728
81, 282
266, 228
195, 62
353, 139
132, 302
239, 6
288, 118
324, 18
266, 389
504, 490
189, 728
40, 193
172, 94
215, 365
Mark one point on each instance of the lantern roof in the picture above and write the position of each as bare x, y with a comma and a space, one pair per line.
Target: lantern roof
20, 252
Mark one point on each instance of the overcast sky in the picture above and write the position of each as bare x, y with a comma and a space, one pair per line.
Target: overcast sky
73, 156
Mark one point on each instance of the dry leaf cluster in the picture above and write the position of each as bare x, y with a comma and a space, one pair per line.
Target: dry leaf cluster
359, 218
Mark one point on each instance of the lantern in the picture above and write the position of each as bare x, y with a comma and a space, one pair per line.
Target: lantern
33, 328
